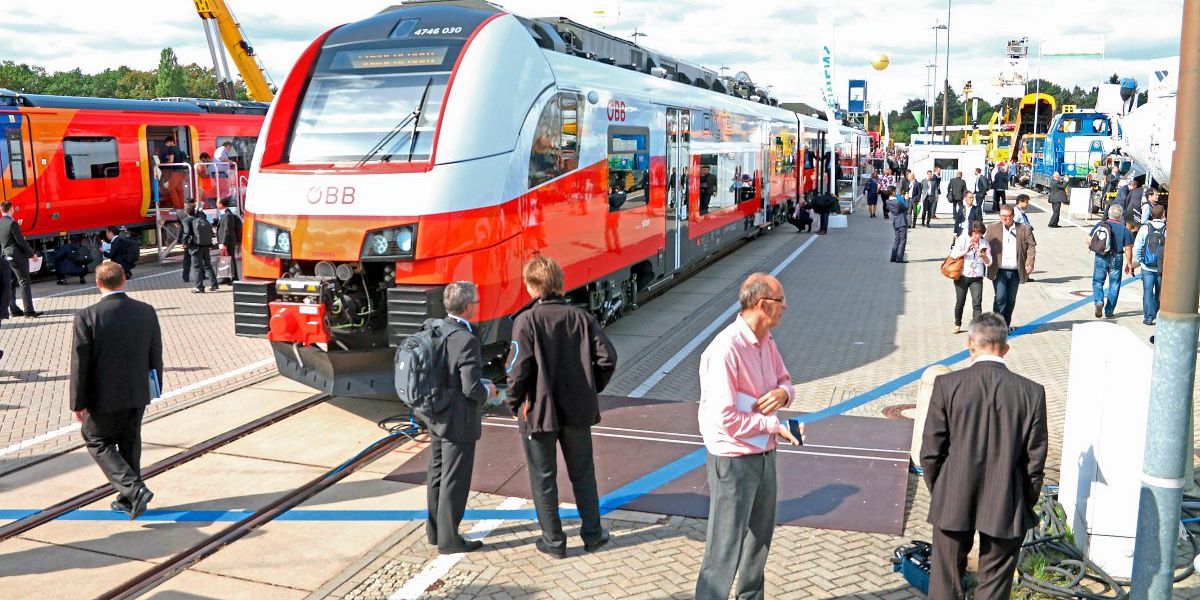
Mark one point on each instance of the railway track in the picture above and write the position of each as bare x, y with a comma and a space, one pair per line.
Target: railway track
51, 513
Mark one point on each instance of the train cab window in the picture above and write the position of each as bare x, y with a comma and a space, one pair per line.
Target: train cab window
628, 168
91, 157
242, 151
1068, 125
16, 158
555, 148
1100, 125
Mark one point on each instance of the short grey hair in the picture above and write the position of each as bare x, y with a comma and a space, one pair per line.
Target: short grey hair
1114, 211
988, 330
754, 288
458, 295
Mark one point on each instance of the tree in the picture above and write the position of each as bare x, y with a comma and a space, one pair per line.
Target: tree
170, 78
22, 77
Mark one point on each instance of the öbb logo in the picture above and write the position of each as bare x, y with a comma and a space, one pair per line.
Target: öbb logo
616, 110
331, 194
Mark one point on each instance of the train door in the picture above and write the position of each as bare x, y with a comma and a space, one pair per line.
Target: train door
17, 173
175, 183
765, 170
678, 162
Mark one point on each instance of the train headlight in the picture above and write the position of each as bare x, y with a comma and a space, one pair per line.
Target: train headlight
389, 244
270, 240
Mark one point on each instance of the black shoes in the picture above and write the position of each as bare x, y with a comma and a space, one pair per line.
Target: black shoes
559, 553
213, 288
596, 545
901, 261
468, 546
120, 505
32, 314
61, 282
198, 290
16, 312
82, 280
141, 498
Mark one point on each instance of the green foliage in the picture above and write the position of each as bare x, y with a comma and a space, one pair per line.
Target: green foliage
170, 79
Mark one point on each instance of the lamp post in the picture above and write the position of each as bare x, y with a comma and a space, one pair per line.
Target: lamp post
933, 83
946, 83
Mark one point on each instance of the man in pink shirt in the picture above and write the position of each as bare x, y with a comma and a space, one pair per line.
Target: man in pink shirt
743, 381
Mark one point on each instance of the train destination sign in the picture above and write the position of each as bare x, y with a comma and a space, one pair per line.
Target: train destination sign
390, 58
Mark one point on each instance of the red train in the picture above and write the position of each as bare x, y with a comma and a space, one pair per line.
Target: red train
442, 141
77, 165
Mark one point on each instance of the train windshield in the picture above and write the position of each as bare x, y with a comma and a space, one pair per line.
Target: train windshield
371, 106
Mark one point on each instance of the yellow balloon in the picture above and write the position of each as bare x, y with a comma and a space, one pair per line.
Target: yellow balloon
881, 62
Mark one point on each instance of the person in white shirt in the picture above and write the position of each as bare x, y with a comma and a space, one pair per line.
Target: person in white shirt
1013, 251
976, 257
222, 160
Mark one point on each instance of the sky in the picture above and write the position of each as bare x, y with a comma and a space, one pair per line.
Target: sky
775, 41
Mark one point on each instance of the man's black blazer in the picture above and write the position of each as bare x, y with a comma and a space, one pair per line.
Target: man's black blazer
460, 409
117, 341
957, 189
984, 450
229, 229
12, 241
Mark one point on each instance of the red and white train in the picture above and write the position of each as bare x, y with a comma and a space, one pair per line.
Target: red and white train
77, 165
449, 140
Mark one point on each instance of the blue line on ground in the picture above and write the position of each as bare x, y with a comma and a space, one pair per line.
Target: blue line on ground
608, 503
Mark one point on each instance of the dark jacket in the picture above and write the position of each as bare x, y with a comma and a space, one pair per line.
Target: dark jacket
229, 229
1058, 191
1000, 180
984, 450
956, 189
187, 231
981, 187
937, 185
464, 393
560, 359
64, 264
974, 214
12, 241
6, 287
117, 341
120, 251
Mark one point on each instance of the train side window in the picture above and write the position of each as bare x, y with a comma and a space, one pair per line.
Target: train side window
555, 149
628, 168
91, 157
1068, 126
242, 152
16, 158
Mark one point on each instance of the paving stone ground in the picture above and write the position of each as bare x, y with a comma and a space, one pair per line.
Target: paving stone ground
855, 321
198, 345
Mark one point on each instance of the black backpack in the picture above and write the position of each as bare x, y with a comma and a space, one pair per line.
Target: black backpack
202, 231
1156, 240
1133, 213
81, 255
133, 249
420, 368
1100, 241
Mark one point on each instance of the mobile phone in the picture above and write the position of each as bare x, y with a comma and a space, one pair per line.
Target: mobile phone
793, 426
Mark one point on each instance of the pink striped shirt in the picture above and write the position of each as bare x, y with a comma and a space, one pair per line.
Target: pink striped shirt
738, 362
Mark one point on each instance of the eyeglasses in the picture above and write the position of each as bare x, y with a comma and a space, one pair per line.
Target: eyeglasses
779, 300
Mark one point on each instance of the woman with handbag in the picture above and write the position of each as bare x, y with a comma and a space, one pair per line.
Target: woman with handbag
975, 256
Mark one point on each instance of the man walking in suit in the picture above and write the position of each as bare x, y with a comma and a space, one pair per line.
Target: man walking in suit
116, 369
928, 197
18, 252
970, 213
899, 211
999, 187
560, 361
937, 190
955, 191
455, 423
1013, 250
743, 382
983, 453
229, 236
1058, 195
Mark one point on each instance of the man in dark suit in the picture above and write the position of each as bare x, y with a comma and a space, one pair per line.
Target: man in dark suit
116, 360
18, 252
229, 235
1058, 195
455, 422
937, 190
955, 191
928, 197
999, 187
197, 233
899, 210
983, 453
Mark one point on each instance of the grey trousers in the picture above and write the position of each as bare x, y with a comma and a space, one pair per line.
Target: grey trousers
899, 243
448, 484
114, 439
741, 521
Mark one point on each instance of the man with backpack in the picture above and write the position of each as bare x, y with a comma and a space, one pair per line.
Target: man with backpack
1148, 250
1112, 244
197, 234
438, 375
71, 259
122, 250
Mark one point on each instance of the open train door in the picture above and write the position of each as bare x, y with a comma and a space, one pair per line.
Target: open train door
678, 176
17, 172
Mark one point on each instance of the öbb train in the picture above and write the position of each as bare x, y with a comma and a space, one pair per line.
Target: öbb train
449, 140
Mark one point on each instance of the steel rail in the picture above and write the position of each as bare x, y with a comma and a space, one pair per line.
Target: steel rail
53, 512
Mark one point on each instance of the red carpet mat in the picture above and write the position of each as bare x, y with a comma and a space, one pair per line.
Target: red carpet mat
852, 474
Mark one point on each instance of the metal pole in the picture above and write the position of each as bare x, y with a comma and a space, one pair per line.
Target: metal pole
1168, 431
946, 85
933, 83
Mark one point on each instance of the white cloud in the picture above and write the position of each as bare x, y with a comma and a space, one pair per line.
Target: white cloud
774, 41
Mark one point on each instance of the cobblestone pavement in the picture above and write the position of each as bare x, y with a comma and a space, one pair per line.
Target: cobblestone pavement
202, 357
855, 321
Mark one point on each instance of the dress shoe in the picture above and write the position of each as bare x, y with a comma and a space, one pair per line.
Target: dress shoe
61, 282
198, 290
467, 546
16, 312
141, 498
1099, 310
902, 261
120, 505
544, 548
596, 545
213, 288
32, 314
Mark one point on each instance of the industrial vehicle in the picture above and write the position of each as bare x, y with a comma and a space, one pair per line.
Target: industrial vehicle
220, 24
1076, 144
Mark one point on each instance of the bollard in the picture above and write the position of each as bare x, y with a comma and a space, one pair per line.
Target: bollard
924, 393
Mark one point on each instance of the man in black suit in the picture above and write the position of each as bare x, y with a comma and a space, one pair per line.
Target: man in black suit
5, 290
18, 252
955, 190
229, 235
455, 422
116, 358
983, 455
999, 187
197, 234
928, 197
937, 190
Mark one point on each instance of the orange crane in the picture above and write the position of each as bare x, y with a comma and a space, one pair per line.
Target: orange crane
219, 23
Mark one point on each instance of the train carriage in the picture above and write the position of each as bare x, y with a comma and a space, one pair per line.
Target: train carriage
442, 141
